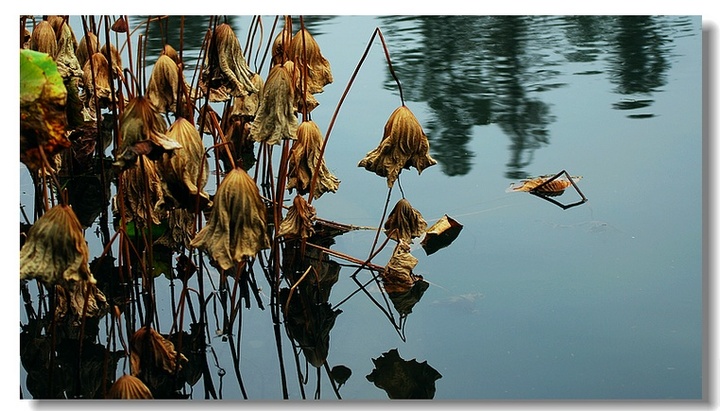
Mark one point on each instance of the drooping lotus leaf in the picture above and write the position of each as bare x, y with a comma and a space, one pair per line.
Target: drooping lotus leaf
67, 61
403, 379
185, 172
247, 106
89, 45
129, 387
163, 87
142, 131
305, 157
144, 200
404, 222
281, 44
43, 39
43, 98
153, 358
397, 276
241, 146
404, 144
226, 72
276, 119
55, 251
237, 225
96, 78
441, 234
298, 223
305, 52
71, 301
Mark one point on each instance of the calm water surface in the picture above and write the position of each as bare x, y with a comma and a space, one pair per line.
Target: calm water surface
599, 301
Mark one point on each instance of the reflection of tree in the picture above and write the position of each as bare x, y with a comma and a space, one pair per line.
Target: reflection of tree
471, 70
168, 30
478, 70
522, 118
639, 63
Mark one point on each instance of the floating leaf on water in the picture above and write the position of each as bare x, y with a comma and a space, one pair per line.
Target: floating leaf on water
404, 144
441, 234
537, 184
403, 379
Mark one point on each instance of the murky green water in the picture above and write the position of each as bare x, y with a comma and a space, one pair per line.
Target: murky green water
531, 301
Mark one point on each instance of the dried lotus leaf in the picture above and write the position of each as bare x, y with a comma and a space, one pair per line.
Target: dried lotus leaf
397, 276
306, 157
129, 387
404, 144
275, 119
237, 226
298, 223
544, 184
441, 234
55, 251
404, 222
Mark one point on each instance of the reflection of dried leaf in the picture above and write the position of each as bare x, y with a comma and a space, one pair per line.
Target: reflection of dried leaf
129, 387
180, 230
305, 157
275, 119
552, 188
185, 172
397, 276
441, 234
310, 326
142, 131
55, 250
404, 222
402, 379
405, 301
404, 144
237, 226
298, 223
340, 374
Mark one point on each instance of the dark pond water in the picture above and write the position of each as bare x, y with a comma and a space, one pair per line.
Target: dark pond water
602, 300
